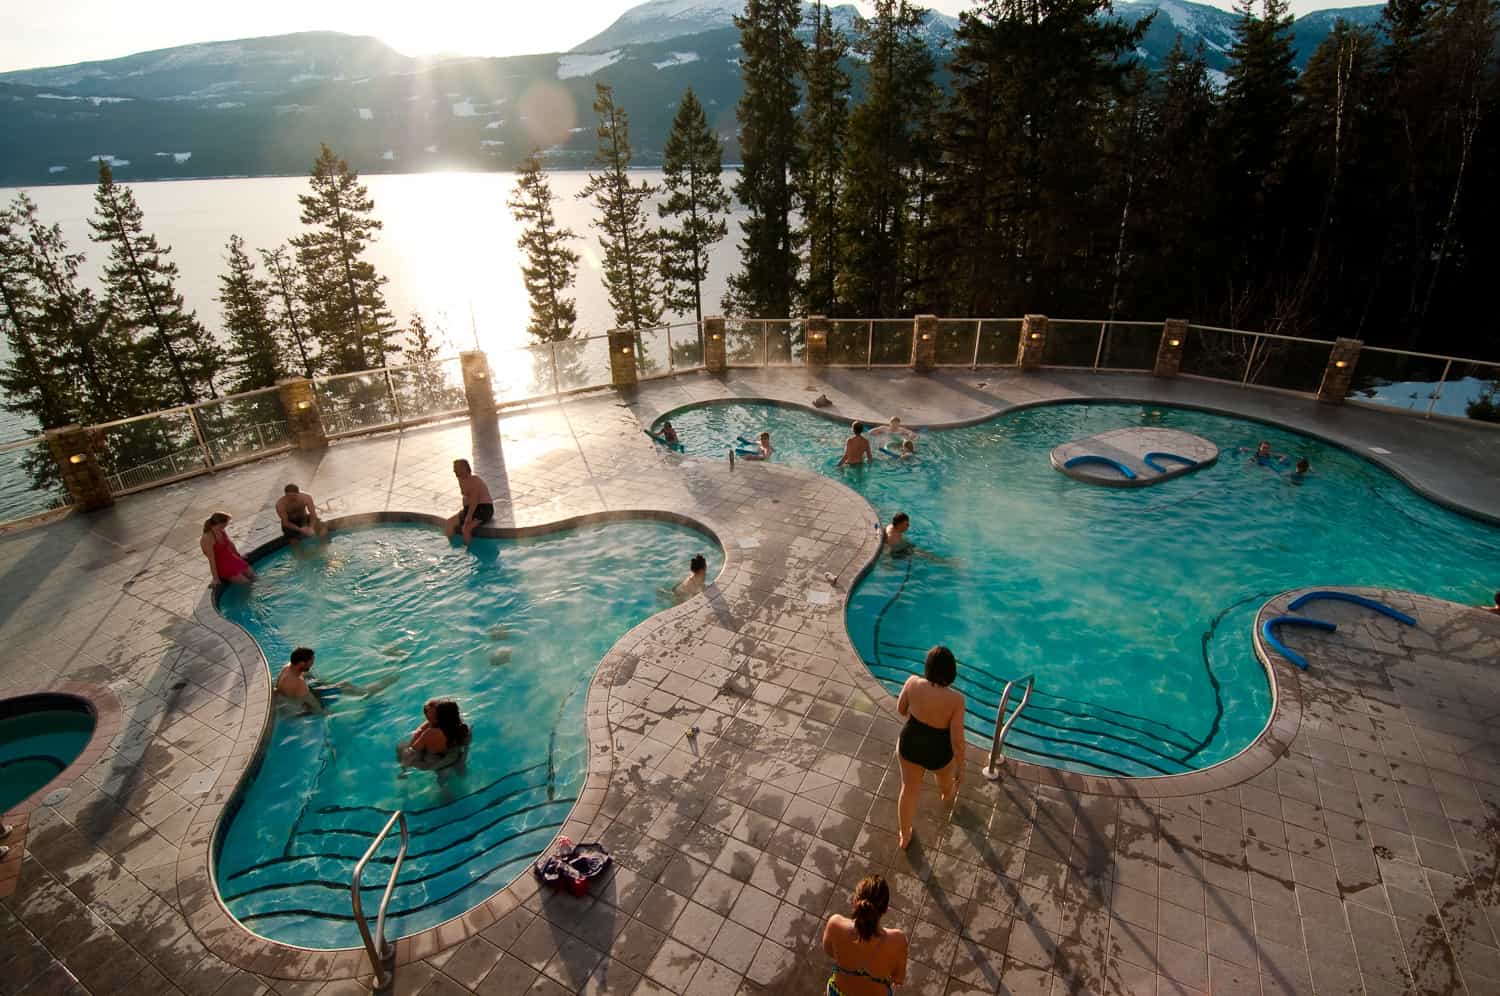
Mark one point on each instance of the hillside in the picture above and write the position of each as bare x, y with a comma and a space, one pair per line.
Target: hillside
261, 105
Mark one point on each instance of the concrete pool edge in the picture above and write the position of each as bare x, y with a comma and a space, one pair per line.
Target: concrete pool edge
196, 874
100, 702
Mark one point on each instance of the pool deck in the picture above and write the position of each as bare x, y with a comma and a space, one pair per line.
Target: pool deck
1361, 856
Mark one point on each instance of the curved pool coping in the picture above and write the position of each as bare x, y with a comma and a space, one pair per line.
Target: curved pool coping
1390, 467
197, 879
100, 702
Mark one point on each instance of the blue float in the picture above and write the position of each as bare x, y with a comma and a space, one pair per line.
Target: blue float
1128, 474
1150, 460
1344, 596
1268, 634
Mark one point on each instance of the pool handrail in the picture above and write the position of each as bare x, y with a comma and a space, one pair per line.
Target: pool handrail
992, 769
382, 954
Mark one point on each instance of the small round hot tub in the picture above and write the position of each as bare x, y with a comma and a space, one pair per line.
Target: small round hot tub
40, 735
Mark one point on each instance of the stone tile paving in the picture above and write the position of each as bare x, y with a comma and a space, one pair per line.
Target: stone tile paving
1367, 839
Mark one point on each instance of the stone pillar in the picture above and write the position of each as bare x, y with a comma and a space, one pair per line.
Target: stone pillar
817, 341
1340, 370
1169, 351
304, 423
622, 368
715, 359
1033, 342
82, 475
479, 388
924, 343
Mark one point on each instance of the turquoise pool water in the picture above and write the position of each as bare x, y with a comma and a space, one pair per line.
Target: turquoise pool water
1133, 607
400, 599
37, 743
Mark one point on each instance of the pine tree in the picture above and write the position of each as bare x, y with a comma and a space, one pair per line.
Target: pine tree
33, 381
629, 243
346, 305
825, 122
175, 359
693, 163
424, 390
550, 266
880, 158
286, 292
254, 353
771, 59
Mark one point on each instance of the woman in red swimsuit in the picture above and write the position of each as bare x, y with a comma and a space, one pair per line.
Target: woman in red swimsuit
224, 561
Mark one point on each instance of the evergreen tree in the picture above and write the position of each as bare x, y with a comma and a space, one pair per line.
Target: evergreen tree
33, 381
629, 243
424, 390
345, 301
693, 163
880, 159
254, 353
286, 292
550, 266
771, 58
825, 123
175, 360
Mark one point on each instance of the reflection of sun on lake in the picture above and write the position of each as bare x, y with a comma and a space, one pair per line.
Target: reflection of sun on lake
448, 245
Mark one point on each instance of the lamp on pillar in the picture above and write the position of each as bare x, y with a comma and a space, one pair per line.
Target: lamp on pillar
924, 343
1033, 342
1339, 373
817, 341
1169, 350
304, 422
715, 357
622, 367
81, 473
479, 392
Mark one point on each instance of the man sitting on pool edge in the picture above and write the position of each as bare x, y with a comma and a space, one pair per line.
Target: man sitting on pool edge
479, 507
292, 684
298, 515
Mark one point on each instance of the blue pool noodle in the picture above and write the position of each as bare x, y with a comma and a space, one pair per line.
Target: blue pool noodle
1096, 458
1344, 596
1267, 632
1150, 460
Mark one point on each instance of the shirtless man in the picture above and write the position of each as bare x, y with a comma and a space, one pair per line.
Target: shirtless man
298, 514
856, 447
479, 507
292, 684
695, 581
895, 533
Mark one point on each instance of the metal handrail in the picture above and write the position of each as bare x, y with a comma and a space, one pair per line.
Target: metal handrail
382, 955
992, 770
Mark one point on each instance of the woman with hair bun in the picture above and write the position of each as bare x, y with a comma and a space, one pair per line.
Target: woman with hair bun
868, 959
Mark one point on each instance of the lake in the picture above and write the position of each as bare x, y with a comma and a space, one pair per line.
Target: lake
448, 246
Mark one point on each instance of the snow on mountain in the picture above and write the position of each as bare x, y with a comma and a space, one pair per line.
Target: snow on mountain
676, 59
587, 64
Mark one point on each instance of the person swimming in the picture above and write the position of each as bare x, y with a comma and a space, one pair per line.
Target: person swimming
762, 450
694, 583
668, 434
293, 685
868, 959
1300, 472
856, 447
440, 741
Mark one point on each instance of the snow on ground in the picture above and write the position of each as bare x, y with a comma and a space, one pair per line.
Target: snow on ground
109, 159
225, 105
676, 59
57, 169
586, 64
1217, 79
1416, 395
178, 157
306, 77
365, 114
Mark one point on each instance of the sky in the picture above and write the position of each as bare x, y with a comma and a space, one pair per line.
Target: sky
51, 34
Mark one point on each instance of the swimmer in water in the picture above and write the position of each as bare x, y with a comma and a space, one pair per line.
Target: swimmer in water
668, 434
292, 684
764, 446
908, 450
694, 583
856, 447
1300, 472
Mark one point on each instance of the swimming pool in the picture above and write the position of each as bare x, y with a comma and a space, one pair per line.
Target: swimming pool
1133, 608
512, 629
40, 735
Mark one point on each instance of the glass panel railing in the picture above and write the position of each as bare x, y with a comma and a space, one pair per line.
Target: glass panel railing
1219, 353
999, 342
429, 390
686, 346
653, 355
1472, 390
1071, 343
581, 363
355, 402
140, 452
1290, 364
1130, 346
243, 425
956, 342
786, 343
744, 342
1397, 380
526, 373
848, 342
891, 342
29, 480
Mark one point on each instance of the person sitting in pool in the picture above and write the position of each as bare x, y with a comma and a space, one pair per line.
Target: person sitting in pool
479, 507
1300, 471
695, 581
762, 449
668, 434
292, 684
1264, 456
894, 535
856, 447
893, 429
298, 515
225, 564
868, 959
933, 737
439, 741
905, 451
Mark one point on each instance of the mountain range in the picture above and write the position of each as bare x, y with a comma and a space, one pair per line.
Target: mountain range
260, 106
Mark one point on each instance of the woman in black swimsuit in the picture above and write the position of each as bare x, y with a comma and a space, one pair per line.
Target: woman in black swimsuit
933, 737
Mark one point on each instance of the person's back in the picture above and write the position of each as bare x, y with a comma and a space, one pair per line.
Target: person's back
291, 683
868, 959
